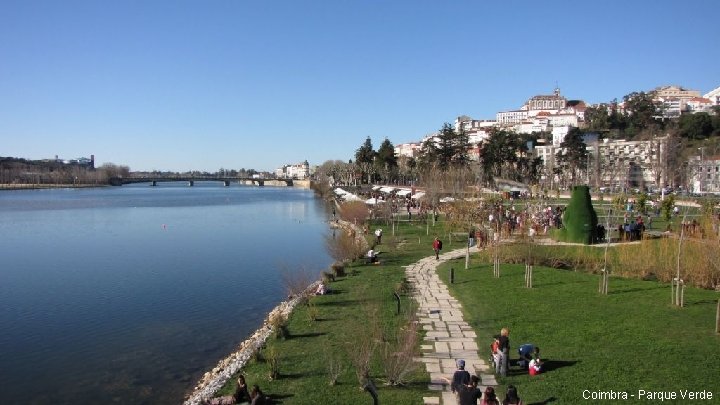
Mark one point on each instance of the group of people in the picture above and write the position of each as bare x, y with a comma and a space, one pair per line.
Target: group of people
467, 392
528, 353
241, 395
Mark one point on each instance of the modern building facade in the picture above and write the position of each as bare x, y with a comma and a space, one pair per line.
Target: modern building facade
617, 163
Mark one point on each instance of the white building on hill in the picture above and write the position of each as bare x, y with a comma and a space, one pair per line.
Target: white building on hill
713, 96
298, 171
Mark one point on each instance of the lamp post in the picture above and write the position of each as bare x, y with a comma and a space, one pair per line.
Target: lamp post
702, 159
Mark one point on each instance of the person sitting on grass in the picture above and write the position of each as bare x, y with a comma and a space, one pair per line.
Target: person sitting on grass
321, 289
535, 366
241, 396
258, 398
372, 257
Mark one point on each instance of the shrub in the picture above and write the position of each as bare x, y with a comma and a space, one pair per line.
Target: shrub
402, 287
579, 219
278, 323
355, 212
343, 246
272, 356
397, 356
313, 312
338, 269
327, 277
335, 369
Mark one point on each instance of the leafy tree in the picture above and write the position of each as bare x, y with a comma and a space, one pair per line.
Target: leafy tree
498, 153
617, 120
696, 126
640, 110
572, 156
448, 148
386, 161
365, 157
597, 118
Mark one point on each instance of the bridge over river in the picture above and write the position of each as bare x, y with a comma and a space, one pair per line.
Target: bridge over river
190, 180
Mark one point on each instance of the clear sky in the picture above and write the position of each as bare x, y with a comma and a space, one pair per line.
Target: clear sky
203, 85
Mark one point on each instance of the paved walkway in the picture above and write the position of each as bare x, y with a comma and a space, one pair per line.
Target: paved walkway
448, 337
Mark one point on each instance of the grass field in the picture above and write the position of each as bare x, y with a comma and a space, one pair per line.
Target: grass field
361, 308
630, 340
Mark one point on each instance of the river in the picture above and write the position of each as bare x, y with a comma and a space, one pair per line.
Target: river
129, 294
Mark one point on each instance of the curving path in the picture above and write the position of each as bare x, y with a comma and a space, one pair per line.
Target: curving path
448, 337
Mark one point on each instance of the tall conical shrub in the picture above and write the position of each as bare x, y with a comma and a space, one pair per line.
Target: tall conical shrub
579, 219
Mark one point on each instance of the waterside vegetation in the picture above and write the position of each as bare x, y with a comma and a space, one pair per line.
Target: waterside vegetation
632, 338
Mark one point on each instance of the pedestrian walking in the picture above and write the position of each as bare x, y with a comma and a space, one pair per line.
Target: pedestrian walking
437, 247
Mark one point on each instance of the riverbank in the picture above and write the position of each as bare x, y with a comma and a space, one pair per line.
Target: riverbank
333, 339
46, 186
214, 379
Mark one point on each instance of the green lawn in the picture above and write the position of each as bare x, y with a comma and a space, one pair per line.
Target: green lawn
630, 340
344, 323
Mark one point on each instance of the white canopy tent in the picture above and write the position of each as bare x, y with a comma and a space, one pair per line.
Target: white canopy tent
373, 201
418, 195
403, 192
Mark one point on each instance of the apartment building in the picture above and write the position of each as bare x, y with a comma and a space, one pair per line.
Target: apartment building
618, 163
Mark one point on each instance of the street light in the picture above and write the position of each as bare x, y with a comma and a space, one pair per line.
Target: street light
702, 159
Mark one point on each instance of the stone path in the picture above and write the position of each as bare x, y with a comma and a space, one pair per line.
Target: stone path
448, 337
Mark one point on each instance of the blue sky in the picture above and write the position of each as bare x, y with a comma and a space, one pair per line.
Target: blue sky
203, 85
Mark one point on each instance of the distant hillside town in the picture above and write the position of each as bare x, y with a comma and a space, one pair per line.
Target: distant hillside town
646, 141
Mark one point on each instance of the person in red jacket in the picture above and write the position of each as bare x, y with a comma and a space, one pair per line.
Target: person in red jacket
437, 247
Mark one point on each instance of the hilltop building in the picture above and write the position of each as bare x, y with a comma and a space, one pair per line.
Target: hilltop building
544, 113
713, 96
673, 101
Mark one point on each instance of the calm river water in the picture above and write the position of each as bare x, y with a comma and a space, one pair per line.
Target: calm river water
129, 294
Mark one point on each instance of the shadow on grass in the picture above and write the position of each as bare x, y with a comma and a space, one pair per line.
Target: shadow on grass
632, 290
277, 398
345, 303
541, 284
305, 335
551, 365
545, 402
701, 302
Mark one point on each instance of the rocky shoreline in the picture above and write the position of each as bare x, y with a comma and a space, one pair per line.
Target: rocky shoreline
214, 379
